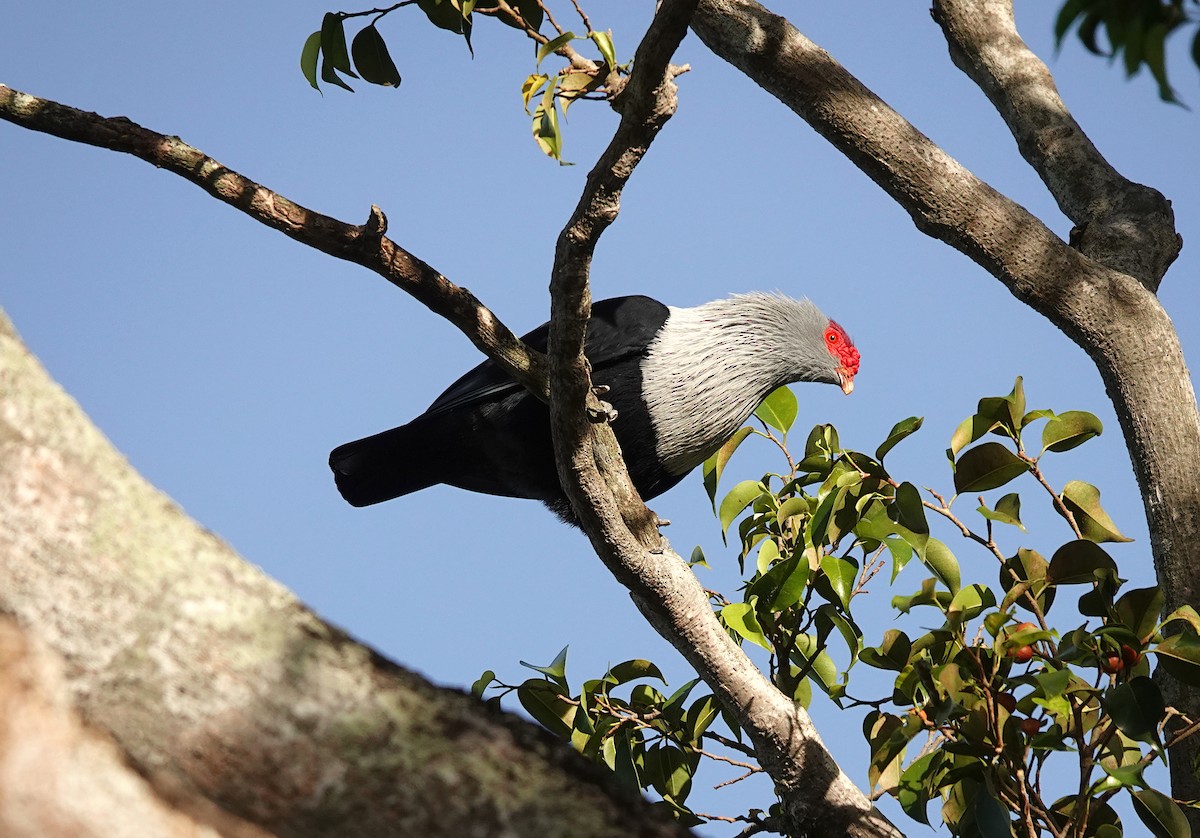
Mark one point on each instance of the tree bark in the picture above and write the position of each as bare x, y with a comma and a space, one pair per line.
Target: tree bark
238, 704
1101, 295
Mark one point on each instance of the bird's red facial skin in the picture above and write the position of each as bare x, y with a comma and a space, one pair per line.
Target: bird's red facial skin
842, 348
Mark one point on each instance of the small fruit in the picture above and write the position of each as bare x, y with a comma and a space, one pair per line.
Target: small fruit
1111, 663
1130, 656
1007, 700
1030, 726
1022, 655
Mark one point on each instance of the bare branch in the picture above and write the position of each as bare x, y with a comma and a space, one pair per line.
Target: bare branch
363, 244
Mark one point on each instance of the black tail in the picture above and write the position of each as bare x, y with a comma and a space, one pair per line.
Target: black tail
386, 465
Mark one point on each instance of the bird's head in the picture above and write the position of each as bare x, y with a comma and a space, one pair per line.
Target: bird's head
841, 348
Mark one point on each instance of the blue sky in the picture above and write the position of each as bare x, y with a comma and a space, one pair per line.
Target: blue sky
224, 360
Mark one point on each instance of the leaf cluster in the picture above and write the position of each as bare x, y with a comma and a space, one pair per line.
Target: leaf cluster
987, 695
326, 57
649, 740
1136, 31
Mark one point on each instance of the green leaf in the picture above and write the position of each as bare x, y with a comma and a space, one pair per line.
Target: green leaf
714, 466
1030, 577
892, 654
972, 428
913, 793
970, 602
532, 12
308, 58
910, 513
545, 126
987, 466
828, 618
556, 670
669, 771
740, 617
901, 430
628, 671
550, 46
1136, 708
783, 585
550, 709
623, 764
739, 497
841, 574
1161, 815
530, 87
1139, 609
329, 75
1076, 563
1187, 614
1087, 33
938, 558
1007, 511
1071, 10
482, 683
823, 671
779, 409
991, 817
672, 709
700, 716
333, 44
371, 58
1083, 500
1070, 429
604, 42
1005, 411
1180, 656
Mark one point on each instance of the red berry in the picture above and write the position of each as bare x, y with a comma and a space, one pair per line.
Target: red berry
1112, 663
1130, 655
1030, 726
1007, 700
1022, 655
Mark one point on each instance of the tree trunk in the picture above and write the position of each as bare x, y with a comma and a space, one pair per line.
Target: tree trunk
238, 704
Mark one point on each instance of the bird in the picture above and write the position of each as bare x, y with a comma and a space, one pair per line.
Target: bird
681, 380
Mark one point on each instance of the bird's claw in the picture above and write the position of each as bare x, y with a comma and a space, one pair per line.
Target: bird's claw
604, 413
601, 390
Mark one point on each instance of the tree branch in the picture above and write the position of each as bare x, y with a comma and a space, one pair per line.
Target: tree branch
818, 797
364, 244
1124, 225
1111, 315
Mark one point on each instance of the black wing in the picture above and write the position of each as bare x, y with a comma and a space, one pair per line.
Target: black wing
620, 328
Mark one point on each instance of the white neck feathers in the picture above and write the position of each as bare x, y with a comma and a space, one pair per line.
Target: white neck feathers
710, 366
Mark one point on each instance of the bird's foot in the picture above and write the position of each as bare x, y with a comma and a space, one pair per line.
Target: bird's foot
604, 413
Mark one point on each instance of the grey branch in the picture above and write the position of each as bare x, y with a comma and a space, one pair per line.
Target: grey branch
818, 797
1124, 225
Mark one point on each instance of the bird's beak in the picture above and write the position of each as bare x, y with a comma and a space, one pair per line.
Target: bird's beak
847, 381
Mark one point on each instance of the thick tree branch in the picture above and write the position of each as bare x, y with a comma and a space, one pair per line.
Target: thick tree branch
1124, 225
219, 686
1111, 315
364, 244
818, 797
